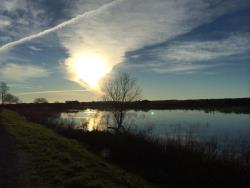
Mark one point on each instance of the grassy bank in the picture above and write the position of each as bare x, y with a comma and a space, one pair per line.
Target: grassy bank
165, 164
62, 162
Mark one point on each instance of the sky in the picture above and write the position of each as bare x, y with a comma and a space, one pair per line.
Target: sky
176, 49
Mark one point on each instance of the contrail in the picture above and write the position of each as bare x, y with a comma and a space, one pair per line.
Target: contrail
61, 25
45, 92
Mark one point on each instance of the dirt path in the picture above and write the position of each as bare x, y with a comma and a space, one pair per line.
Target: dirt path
8, 160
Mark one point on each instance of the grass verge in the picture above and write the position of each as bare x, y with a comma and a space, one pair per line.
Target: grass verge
62, 162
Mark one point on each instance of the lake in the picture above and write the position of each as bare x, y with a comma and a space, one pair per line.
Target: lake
227, 129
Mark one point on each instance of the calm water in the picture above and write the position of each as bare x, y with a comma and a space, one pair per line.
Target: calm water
226, 129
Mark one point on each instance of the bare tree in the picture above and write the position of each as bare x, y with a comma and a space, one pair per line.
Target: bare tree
40, 100
120, 91
3, 91
11, 99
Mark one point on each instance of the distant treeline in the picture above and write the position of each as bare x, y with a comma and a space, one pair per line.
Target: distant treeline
236, 105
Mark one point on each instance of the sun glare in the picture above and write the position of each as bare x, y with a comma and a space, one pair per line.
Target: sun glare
90, 69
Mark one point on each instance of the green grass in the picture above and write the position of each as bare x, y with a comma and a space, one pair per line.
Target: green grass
62, 162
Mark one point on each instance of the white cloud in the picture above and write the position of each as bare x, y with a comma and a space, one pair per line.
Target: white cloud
4, 23
17, 72
12, 58
180, 68
34, 48
13, 5
21, 18
195, 56
132, 25
193, 51
128, 25
170, 67
83, 16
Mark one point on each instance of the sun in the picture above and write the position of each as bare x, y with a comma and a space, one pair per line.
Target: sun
90, 69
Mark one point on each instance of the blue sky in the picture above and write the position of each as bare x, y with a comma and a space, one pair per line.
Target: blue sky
176, 49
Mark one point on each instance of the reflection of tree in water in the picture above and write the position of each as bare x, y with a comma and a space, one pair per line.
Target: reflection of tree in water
124, 119
118, 120
107, 120
120, 91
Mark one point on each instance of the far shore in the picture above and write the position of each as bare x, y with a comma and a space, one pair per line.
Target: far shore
227, 105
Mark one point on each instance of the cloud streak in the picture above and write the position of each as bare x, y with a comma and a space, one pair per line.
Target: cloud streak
194, 51
17, 72
183, 68
191, 56
47, 92
60, 26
